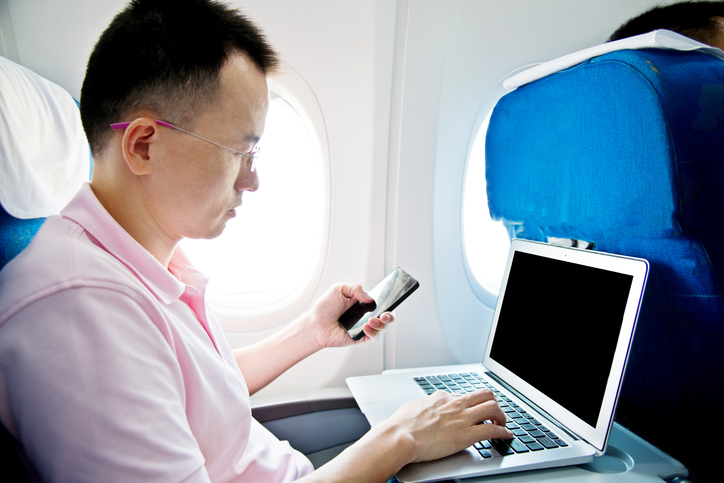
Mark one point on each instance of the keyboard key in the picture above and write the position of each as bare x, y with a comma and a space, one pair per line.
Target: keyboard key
518, 447
547, 443
534, 446
536, 433
484, 453
502, 447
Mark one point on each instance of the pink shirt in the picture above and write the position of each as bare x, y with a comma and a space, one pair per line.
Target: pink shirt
112, 369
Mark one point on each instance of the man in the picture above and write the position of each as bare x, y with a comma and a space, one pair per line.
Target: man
111, 367
702, 21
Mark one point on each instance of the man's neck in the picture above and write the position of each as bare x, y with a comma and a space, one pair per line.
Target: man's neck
126, 206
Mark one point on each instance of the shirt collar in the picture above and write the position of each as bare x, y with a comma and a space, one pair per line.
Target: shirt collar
85, 210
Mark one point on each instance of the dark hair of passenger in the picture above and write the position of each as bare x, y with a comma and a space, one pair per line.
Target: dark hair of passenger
164, 56
692, 19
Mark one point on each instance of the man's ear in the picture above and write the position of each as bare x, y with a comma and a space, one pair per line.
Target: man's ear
137, 140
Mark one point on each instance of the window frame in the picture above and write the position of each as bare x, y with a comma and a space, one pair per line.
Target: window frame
486, 294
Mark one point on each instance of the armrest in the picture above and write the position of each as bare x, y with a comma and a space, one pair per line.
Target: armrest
290, 409
314, 424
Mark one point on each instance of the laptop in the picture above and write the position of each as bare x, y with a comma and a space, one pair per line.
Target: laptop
555, 359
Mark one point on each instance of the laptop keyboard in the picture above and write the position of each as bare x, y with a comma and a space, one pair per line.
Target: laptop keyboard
530, 434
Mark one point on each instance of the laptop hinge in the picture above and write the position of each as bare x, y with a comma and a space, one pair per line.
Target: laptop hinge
530, 403
570, 242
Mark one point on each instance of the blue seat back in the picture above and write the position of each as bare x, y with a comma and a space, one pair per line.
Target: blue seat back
626, 150
15, 234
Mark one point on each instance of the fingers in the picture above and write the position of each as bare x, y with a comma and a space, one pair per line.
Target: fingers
484, 399
484, 408
382, 322
481, 407
355, 292
443, 423
375, 326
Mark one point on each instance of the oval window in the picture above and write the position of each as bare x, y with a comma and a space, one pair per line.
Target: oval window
271, 255
485, 241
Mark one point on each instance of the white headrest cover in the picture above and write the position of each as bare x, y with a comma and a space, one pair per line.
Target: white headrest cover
656, 39
44, 156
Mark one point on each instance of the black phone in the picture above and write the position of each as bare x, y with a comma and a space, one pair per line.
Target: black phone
387, 295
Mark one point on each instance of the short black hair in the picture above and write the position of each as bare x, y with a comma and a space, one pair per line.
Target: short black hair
165, 56
692, 19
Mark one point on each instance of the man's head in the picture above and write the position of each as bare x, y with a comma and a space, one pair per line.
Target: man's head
194, 64
164, 56
702, 21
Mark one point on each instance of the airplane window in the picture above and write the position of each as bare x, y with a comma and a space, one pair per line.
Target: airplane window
271, 255
485, 241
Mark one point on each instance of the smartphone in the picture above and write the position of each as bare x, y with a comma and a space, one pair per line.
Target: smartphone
387, 295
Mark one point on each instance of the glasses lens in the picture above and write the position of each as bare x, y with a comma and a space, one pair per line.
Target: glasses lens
254, 158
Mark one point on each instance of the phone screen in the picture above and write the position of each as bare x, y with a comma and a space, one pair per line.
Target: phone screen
387, 295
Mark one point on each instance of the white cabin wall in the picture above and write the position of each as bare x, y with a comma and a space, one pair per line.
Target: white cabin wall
55, 38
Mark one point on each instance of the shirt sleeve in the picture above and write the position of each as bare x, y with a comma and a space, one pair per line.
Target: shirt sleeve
93, 391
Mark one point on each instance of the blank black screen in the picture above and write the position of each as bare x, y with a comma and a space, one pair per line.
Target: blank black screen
558, 327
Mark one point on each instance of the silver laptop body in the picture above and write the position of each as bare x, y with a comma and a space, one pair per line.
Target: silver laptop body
556, 356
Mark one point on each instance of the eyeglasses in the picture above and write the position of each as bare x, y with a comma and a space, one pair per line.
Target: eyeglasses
250, 156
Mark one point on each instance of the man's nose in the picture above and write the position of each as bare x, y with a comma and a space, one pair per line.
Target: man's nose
248, 180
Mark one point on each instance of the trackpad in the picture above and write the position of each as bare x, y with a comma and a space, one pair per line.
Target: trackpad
379, 411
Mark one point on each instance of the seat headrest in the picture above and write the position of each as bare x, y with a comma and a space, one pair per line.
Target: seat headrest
44, 154
615, 146
657, 39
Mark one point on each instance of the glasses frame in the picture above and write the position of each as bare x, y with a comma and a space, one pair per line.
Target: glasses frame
250, 156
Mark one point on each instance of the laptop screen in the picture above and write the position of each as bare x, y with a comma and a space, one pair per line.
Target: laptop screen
562, 330
558, 329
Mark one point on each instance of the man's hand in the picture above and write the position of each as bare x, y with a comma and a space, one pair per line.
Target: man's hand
264, 361
322, 323
442, 424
